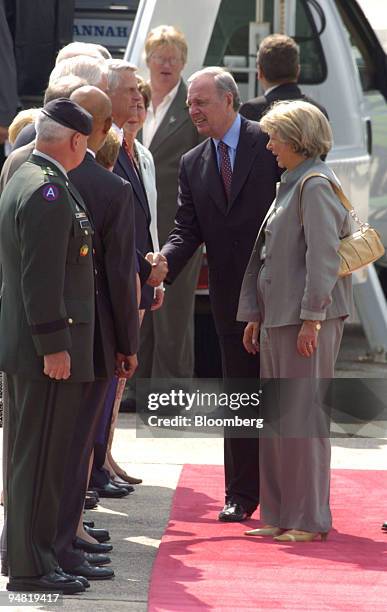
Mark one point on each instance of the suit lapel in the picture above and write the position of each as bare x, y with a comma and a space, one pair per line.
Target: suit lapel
244, 159
210, 176
175, 116
134, 181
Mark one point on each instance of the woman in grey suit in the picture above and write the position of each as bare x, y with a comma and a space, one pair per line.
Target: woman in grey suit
295, 303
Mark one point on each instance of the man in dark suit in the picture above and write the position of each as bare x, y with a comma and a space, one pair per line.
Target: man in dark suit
47, 337
278, 70
226, 185
109, 201
125, 95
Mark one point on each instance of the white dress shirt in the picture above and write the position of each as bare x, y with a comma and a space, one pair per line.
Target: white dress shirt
154, 117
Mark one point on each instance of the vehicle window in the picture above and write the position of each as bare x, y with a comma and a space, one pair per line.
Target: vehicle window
312, 60
230, 37
229, 43
361, 46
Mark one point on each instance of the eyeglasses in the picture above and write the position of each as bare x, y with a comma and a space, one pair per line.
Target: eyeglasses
160, 60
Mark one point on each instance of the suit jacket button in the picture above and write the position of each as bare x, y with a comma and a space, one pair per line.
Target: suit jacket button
70, 321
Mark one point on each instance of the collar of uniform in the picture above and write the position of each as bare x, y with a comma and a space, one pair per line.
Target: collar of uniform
51, 160
91, 152
290, 176
119, 131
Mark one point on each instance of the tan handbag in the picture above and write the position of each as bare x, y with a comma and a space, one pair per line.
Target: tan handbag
359, 249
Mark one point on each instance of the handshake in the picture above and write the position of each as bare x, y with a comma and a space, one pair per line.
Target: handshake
159, 268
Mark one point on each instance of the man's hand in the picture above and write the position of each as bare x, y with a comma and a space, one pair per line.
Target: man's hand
58, 365
126, 365
158, 299
159, 268
307, 339
250, 337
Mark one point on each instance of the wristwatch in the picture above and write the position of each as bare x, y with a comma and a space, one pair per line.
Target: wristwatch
317, 324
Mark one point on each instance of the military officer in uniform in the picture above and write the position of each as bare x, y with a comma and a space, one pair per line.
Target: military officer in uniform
46, 330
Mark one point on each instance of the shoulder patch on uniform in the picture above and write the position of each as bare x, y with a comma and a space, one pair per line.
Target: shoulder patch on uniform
50, 192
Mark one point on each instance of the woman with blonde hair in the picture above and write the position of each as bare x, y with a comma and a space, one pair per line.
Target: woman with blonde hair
295, 304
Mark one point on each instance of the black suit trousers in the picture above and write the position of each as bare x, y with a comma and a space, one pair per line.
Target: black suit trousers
241, 463
42, 420
76, 473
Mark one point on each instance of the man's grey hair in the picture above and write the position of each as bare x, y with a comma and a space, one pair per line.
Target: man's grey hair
224, 82
49, 130
91, 69
115, 68
77, 48
63, 87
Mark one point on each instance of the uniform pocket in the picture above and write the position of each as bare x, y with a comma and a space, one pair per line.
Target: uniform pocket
79, 311
80, 244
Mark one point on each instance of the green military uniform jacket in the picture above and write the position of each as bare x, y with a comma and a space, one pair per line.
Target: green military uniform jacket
47, 301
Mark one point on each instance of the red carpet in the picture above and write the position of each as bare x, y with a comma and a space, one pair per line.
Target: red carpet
206, 565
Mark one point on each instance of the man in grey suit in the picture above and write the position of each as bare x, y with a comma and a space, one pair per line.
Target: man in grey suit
167, 335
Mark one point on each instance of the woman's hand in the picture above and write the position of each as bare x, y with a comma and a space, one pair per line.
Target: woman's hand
307, 339
250, 337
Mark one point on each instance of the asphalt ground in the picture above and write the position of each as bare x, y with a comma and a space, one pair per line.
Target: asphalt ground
136, 523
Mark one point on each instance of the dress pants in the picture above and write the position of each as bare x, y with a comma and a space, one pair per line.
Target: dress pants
76, 472
42, 420
3, 540
99, 475
241, 458
295, 444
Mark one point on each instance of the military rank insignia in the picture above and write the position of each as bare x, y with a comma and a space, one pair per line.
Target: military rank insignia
84, 250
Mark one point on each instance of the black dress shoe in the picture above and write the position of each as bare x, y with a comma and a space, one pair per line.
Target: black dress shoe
90, 547
110, 490
90, 503
102, 535
91, 572
233, 513
384, 526
50, 583
92, 493
123, 485
97, 559
81, 579
88, 524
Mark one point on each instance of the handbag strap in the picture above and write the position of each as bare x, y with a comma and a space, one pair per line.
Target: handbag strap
338, 191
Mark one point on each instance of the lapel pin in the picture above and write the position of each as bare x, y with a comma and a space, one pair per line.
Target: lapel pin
172, 119
84, 250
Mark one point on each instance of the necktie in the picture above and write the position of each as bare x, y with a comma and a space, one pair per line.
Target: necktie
225, 167
132, 162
